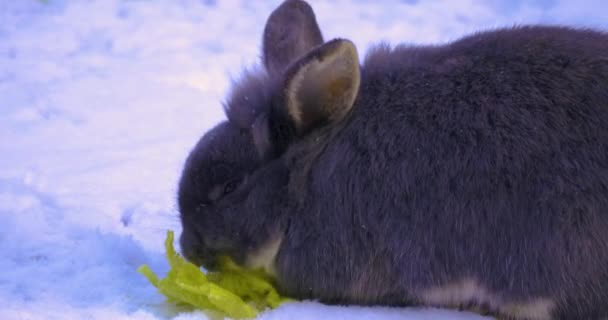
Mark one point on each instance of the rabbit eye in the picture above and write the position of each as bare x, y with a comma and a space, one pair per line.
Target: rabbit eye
230, 186
221, 190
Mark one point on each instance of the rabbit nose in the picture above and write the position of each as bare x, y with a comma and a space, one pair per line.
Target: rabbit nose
194, 255
194, 259
200, 256
210, 262
189, 248
206, 258
191, 254
196, 252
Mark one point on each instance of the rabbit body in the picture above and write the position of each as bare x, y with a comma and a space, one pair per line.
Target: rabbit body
469, 175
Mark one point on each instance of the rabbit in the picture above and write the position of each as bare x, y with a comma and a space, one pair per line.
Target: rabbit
470, 175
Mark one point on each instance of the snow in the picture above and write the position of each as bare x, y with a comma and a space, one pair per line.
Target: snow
101, 100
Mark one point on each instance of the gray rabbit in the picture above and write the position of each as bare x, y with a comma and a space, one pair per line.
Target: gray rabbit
467, 175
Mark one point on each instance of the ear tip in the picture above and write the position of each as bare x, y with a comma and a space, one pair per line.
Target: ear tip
343, 43
351, 47
290, 9
345, 46
300, 4
291, 30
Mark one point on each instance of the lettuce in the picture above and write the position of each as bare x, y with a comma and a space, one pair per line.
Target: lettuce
232, 290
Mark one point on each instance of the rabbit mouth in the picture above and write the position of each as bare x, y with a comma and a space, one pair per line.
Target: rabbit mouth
201, 257
194, 250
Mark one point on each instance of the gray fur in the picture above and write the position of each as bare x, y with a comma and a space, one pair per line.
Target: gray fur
485, 158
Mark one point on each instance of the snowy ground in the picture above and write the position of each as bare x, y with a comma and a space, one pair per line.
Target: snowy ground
100, 102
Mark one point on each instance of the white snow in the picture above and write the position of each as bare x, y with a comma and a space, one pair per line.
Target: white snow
101, 100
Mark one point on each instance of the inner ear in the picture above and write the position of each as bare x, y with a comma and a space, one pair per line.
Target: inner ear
322, 87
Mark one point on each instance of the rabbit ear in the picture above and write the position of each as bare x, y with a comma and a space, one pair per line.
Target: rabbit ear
291, 31
321, 88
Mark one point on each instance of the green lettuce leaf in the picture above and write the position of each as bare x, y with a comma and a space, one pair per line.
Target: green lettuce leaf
233, 290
